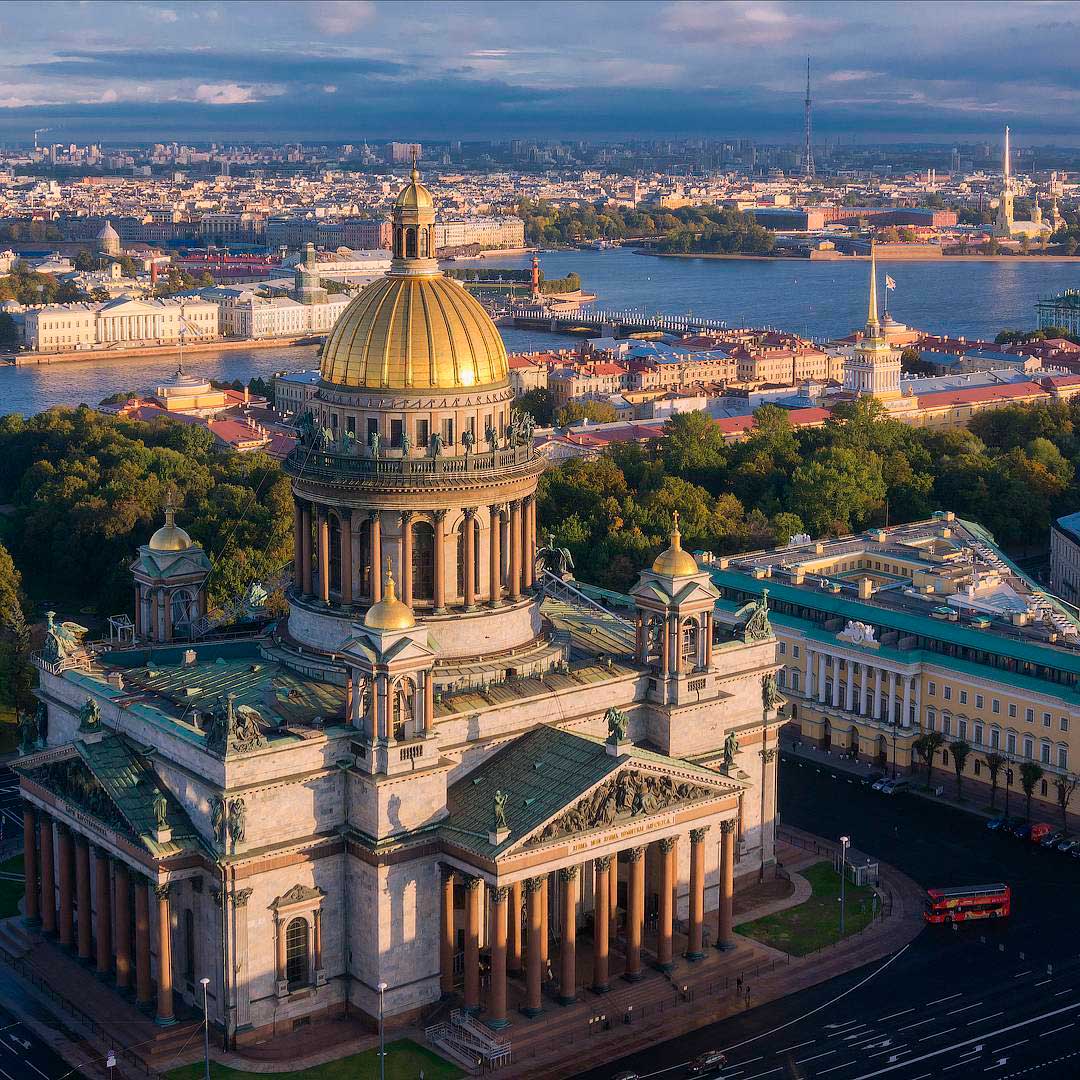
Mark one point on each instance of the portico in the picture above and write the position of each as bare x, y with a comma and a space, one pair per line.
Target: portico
586, 837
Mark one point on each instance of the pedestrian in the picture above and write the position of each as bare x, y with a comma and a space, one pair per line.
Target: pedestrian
738, 984
748, 997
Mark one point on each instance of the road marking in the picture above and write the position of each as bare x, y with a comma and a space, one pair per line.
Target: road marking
809, 1042
1022, 974
983, 1018
850, 1031
938, 1001
919, 1024
779, 1068
803, 1061
937, 1034
863, 1038
957, 1065
799, 1019
1010, 1046
37, 1070
892, 1050
900, 1013
1043, 983
836, 1027
968, 1042
1060, 992
1043, 1034
2, 1073
835, 1067
953, 1012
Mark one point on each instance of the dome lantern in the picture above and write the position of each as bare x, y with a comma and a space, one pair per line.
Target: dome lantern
673, 561
389, 613
170, 537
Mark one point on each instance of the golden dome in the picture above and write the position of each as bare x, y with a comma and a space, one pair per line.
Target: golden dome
170, 537
674, 562
414, 332
389, 613
415, 195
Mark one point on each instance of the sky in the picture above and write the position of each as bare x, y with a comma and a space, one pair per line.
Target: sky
349, 70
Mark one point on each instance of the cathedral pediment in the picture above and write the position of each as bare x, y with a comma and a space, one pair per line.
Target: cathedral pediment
298, 894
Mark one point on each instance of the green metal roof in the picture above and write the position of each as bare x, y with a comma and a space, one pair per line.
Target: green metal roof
540, 773
903, 622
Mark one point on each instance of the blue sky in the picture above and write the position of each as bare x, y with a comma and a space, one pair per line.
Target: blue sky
409, 69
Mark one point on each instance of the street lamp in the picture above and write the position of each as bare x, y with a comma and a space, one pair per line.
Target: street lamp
844, 841
206, 1030
382, 1051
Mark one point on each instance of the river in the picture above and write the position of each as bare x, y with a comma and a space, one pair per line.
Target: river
817, 299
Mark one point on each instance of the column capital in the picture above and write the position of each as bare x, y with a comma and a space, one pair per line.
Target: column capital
635, 854
472, 883
603, 863
373, 515
500, 894
768, 754
534, 884
161, 891
568, 873
469, 512
728, 827
406, 516
697, 835
439, 515
345, 513
668, 844
240, 897
446, 873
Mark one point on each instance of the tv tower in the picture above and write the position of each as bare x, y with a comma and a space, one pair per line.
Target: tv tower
808, 159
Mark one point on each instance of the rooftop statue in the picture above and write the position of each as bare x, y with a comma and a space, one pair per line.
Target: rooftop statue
90, 716
757, 626
731, 748
234, 730
62, 640
617, 723
556, 560
500, 811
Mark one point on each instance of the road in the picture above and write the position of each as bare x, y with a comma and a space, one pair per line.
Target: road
23, 1056
996, 1000
10, 804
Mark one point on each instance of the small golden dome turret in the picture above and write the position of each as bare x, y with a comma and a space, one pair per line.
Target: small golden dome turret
389, 613
170, 537
415, 195
673, 561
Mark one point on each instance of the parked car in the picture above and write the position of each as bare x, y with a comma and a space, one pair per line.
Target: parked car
1069, 844
1021, 831
874, 779
1052, 837
1075, 852
1039, 830
894, 787
880, 783
711, 1059
998, 823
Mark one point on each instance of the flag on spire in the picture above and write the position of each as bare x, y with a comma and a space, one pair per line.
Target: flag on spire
889, 283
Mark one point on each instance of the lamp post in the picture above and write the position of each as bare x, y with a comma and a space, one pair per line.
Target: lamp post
206, 1030
844, 841
382, 1048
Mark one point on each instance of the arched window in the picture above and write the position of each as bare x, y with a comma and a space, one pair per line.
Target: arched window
689, 641
297, 957
423, 561
461, 557
334, 554
184, 611
402, 696
654, 638
365, 557
410, 243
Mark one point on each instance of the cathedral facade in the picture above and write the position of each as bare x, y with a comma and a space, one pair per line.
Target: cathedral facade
447, 773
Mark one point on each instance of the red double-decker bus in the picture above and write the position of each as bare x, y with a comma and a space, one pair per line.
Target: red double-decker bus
967, 902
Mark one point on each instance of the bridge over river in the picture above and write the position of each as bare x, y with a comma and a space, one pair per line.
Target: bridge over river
600, 323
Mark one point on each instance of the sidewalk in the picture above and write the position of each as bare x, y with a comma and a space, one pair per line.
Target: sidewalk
977, 794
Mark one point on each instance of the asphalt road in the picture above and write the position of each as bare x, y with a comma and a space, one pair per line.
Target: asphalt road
23, 1056
11, 809
998, 1000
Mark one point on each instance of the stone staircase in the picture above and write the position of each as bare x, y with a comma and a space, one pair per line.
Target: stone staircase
473, 1045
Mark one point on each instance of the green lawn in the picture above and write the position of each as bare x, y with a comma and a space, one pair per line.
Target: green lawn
815, 923
404, 1061
11, 891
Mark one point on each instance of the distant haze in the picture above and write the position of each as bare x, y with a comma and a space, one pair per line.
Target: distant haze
345, 70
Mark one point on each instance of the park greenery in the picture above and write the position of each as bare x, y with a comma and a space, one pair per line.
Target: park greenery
860, 469
684, 230
85, 490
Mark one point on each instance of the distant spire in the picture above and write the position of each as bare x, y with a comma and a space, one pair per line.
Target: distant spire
872, 325
808, 152
415, 173
1007, 170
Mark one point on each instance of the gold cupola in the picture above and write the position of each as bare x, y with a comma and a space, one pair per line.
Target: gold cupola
170, 537
389, 613
673, 561
414, 329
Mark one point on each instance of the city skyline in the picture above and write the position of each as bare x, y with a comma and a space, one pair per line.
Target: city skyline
355, 70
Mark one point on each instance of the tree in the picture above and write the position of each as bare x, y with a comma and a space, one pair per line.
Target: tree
539, 404
994, 762
9, 331
1030, 775
926, 746
960, 751
596, 412
16, 670
1065, 785
837, 491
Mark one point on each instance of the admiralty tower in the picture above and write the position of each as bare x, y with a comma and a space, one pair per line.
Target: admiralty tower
413, 462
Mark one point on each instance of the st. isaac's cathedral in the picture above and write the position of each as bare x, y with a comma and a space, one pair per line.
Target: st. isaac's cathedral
446, 761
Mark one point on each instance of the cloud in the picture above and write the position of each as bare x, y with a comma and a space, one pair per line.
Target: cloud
226, 94
339, 16
851, 76
746, 22
329, 88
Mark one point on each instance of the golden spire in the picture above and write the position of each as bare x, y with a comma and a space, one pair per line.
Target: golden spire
389, 588
873, 328
673, 561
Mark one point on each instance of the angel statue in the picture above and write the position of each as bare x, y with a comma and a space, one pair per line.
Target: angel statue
61, 639
436, 444
757, 626
731, 748
468, 440
771, 698
374, 439
161, 811
491, 437
90, 716
500, 811
237, 821
406, 444
617, 723
556, 560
